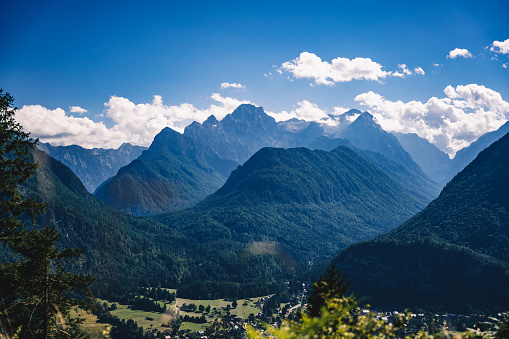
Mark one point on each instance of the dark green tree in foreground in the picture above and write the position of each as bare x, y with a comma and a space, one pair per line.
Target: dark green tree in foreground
333, 285
37, 293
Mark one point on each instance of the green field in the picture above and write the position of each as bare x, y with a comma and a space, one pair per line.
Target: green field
92, 327
154, 320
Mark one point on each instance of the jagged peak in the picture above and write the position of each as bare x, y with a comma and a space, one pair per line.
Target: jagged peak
366, 119
247, 109
211, 120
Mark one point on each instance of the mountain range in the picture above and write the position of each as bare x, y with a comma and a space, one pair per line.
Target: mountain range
453, 253
167, 178
93, 166
281, 196
237, 197
172, 174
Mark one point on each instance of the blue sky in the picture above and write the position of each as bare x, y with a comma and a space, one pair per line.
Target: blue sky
303, 59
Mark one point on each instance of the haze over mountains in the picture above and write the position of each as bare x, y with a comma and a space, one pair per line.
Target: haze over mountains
93, 166
208, 152
235, 198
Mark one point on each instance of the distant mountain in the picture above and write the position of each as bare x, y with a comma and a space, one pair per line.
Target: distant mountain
93, 166
240, 134
121, 251
466, 155
293, 125
172, 174
454, 253
280, 197
165, 178
432, 161
366, 134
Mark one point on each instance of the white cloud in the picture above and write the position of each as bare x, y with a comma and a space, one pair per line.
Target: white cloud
437, 65
305, 111
504, 65
419, 70
501, 47
77, 109
451, 123
338, 110
226, 85
309, 111
404, 71
310, 66
459, 52
55, 127
134, 123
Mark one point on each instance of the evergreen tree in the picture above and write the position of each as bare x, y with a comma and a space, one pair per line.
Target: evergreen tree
37, 292
333, 285
15, 168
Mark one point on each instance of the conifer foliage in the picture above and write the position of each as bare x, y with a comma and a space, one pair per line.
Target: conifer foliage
333, 285
37, 292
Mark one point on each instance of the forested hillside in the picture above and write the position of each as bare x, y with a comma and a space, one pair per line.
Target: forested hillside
453, 253
172, 174
280, 197
121, 251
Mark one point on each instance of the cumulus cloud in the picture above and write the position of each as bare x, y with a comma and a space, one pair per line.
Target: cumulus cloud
133, 123
77, 109
500, 47
451, 123
226, 85
419, 70
310, 66
305, 110
459, 52
308, 111
403, 71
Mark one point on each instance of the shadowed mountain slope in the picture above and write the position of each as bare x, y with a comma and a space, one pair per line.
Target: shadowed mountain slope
121, 251
280, 197
453, 253
432, 161
172, 174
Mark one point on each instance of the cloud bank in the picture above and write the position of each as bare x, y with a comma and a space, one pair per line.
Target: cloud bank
133, 123
451, 123
310, 66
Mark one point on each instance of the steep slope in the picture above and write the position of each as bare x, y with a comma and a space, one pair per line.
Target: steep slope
173, 173
280, 197
120, 251
453, 253
416, 184
432, 161
93, 166
465, 156
366, 134
168, 178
